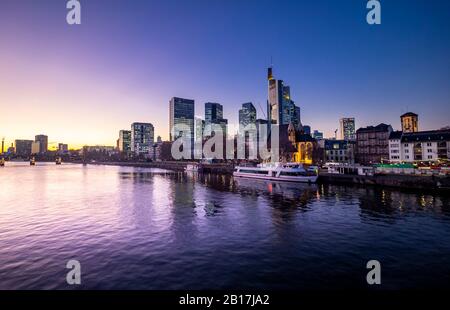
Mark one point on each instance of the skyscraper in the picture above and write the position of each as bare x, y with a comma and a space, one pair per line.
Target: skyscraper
347, 129
280, 107
214, 116
213, 112
410, 122
125, 141
43, 143
247, 115
142, 138
181, 118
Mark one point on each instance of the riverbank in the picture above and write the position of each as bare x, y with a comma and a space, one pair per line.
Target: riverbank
390, 180
422, 182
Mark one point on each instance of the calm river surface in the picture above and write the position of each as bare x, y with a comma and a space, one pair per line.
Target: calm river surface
135, 228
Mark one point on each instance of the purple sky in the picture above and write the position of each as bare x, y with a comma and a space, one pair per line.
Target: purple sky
82, 84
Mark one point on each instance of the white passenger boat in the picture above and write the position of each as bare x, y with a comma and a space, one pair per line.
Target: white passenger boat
192, 168
292, 172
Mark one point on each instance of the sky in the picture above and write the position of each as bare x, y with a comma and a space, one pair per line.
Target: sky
81, 84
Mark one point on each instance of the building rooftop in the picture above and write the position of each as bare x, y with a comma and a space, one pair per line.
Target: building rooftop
423, 136
379, 127
396, 135
409, 114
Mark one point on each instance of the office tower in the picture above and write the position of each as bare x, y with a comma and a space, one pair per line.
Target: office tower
181, 118
410, 122
23, 147
214, 116
247, 115
142, 138
124, 141
43, 143
281, 110
347, 129
213, 112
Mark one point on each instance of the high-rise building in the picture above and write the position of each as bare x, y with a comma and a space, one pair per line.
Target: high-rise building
142, 138
43, 143
410, 122
214, 116
181, 118
347, 128
280, 107
247, 115
213, 112
23, 147
125, 141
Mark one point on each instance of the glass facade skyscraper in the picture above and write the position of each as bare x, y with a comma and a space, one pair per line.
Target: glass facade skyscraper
247, 115
142, 138
214, 115
181, 118
281, 109
213, 112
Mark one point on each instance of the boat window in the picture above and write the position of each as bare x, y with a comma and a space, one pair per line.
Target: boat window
253, 171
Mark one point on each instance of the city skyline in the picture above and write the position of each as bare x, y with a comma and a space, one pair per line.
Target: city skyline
80, 85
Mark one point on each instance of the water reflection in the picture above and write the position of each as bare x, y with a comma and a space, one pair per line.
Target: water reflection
151, 229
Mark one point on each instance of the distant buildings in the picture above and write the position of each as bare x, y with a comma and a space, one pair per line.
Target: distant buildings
347, 128
372, 144
317, 135
63, 148
419, 146
410, 122
142, 138
43, 143
23, 147
124, 143
181, 118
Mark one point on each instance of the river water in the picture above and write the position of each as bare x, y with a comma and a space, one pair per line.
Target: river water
137, 228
